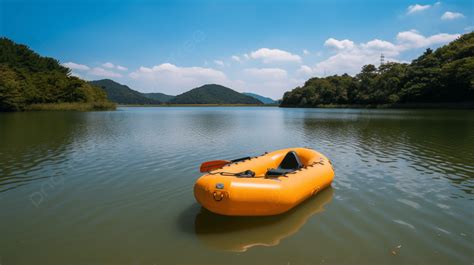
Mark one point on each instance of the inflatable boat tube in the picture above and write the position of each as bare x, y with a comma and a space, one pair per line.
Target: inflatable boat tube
270, 184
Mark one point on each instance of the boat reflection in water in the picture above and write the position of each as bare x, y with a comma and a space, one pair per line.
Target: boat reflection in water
239, 234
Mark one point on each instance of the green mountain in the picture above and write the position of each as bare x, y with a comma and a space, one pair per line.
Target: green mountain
444, 75
122, 94
264, 100
159, 96
213, 94
28, 79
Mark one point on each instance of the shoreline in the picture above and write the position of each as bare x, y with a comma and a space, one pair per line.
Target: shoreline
195, 105
441, 105
106, 106
72, 106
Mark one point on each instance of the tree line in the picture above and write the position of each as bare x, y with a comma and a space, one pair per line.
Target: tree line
26, 78
444, 75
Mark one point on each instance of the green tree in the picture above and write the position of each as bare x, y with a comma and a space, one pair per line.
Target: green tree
444, 75
28, 78
365, 80
10, 90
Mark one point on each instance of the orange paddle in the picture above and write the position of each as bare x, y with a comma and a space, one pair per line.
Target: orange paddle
215, 164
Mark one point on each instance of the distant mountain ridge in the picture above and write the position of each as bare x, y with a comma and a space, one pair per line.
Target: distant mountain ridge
213, 94
123, 94
264, 100
159, 96
206, 94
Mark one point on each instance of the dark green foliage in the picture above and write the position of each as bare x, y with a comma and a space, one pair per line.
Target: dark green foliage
122, 94
27, 78
20, 56
445, 75
213, 94
159, 96
316, 91
264, 100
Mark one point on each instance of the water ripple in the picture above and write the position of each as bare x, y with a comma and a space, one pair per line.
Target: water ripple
403, 177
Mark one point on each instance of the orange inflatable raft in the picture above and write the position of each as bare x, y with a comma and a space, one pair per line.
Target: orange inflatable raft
269, 184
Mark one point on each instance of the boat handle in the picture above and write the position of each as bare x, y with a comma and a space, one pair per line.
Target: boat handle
218, 195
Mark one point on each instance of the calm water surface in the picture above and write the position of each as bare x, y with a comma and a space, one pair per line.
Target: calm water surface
116, 187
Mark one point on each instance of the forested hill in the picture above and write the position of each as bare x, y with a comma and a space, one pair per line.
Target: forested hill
26, 79
159, 96
444, 75
122, 94
264, 100
213, 94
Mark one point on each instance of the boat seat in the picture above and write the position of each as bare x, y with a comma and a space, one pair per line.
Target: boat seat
290, 163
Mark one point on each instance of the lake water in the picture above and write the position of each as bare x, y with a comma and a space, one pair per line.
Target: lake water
117, 187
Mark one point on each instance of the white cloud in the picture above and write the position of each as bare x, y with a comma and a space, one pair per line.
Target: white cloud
168, 77
122, 68
266, 73
379, 44
305, 70
305, 52
417, 8
272, 82
413, 39
347, 62
349, 57
98, 71
236, 58
274, 55
108, 65
451, 15
143, 69
75, 66
339, 44
219, 62
76, 75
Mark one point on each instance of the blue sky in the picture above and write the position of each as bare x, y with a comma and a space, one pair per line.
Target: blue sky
266, 47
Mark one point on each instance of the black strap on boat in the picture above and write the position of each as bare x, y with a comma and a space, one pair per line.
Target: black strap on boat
240, 159
243, 174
